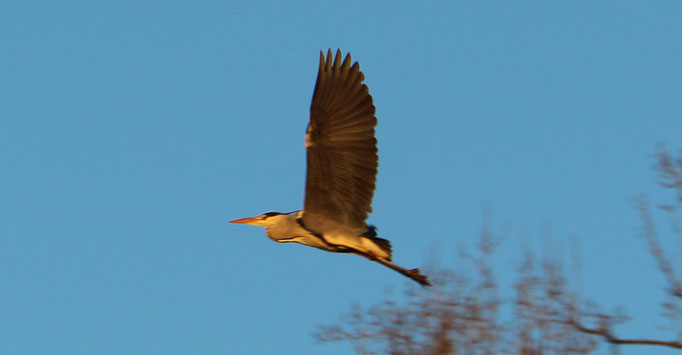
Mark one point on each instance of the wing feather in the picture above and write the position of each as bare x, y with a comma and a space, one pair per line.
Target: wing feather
341, 147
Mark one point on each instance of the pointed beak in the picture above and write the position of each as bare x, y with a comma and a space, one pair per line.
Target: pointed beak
248, 220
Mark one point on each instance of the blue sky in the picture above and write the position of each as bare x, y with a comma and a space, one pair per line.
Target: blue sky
131, 132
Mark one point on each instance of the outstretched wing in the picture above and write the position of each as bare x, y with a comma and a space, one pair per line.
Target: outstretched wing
341, 148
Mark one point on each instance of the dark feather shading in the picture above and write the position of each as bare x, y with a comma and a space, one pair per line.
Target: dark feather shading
341, 148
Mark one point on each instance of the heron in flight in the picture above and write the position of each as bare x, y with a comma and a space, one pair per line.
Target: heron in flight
341, 174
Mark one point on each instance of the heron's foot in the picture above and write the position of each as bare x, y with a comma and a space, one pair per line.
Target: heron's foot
415, 275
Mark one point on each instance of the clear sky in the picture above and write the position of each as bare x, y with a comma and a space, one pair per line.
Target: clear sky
131, 132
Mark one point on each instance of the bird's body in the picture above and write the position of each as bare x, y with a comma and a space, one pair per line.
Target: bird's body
290, 228
341, 171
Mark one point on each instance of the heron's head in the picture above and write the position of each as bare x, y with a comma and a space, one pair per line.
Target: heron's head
264, 220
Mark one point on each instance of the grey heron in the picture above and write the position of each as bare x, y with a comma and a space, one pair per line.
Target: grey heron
341, 171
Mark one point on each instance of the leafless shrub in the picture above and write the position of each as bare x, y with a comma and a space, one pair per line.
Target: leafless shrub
461, 314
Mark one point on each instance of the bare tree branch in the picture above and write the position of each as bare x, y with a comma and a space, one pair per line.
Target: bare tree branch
462, 313
614, 340
650, 236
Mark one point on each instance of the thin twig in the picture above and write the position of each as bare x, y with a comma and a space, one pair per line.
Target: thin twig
614, 340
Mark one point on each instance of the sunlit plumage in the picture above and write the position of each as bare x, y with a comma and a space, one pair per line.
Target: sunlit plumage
341, 172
